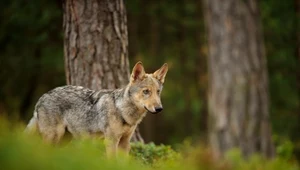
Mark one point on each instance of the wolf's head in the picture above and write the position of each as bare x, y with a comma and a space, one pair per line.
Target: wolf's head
145, 89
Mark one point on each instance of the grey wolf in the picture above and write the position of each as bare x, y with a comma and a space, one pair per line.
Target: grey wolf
112, 114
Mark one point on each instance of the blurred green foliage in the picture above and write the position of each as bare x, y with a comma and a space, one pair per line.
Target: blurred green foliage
31, 62
280, 30
235, 160
21, 151
31, 53
174, 33
155, 155
279, 23
28, 152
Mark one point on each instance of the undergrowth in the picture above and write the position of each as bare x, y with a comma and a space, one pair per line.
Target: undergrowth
20, 151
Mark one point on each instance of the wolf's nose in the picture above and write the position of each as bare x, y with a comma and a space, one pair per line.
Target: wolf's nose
158, 109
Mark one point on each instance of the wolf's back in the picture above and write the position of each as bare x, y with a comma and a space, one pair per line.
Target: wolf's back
65, 98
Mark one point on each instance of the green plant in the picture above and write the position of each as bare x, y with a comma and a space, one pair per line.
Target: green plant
19, 151
151, 154
284, 147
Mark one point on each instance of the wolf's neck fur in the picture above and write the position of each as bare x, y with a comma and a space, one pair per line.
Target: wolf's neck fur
131, 114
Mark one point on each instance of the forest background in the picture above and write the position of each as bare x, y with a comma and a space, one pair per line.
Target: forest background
32, 62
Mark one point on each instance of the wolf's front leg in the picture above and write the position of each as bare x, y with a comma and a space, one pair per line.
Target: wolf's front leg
124, 143
111, 142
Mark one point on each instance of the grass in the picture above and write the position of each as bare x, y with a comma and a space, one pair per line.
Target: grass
22, 151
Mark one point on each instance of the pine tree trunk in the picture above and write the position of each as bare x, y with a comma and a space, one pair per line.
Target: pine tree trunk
96, 43
238, 85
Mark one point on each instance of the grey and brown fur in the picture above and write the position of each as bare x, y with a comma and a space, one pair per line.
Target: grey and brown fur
113, 114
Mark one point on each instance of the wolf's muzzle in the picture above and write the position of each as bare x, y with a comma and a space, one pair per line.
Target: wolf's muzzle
158, 109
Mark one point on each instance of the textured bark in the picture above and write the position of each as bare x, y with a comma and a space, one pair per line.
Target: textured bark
96, 43
238, 85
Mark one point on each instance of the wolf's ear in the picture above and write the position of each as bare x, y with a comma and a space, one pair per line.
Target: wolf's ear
138, 72
161, 73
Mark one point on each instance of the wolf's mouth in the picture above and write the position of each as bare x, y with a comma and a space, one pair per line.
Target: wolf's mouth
149, 110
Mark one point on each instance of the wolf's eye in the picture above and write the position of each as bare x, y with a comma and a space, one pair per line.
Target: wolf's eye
146, 91
158, 91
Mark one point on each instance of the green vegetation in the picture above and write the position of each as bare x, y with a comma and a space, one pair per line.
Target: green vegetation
22, 151
31, 50
154, 155
31, 62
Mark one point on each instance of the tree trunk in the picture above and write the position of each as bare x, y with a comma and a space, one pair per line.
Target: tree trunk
238, 85
96, 43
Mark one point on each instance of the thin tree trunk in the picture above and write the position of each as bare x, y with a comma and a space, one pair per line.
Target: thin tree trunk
238, 85
96, 43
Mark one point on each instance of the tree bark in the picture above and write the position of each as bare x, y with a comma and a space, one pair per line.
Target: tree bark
238, 85
96, 43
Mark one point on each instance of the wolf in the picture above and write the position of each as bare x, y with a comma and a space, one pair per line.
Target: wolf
112, 114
